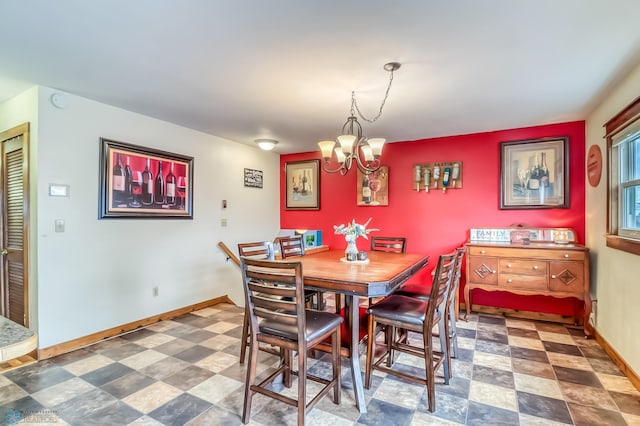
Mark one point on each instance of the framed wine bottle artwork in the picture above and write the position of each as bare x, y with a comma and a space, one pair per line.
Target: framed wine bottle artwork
139, 182
373, 188
303, 185
534, 174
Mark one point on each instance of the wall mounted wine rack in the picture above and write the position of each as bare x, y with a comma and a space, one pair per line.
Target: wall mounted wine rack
442, 176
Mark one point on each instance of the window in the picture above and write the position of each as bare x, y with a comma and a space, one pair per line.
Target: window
623, 142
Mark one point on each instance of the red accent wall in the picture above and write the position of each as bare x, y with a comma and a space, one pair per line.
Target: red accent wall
435, 222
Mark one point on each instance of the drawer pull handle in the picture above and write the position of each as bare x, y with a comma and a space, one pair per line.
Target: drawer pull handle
535, 267
509, 265
553, 276
509, 280
482, 251
566, 255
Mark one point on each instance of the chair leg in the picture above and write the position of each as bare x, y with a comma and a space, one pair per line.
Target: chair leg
371, 347
287, 359
429, 372
320, 301
337, 361
443, 329
245, 336
389, 337
338, 300
302, 386
251, 378
453, 334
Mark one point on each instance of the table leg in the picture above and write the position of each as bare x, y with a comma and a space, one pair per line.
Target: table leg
356, 374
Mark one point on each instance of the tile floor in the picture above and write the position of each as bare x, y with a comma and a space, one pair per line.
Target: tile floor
186, 371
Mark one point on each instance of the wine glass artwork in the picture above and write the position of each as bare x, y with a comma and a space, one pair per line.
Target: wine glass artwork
136, 189
523, 176
296, 188
374, 185
181, 187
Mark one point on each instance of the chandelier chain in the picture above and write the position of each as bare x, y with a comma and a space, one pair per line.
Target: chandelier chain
354, 102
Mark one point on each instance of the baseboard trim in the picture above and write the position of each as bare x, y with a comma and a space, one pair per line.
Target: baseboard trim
80, 342
618, 360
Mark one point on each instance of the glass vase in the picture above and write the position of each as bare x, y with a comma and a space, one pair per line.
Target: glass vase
351, 252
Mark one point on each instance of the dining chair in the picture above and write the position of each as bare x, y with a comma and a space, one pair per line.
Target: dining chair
274, 293
419, 316
293, 247
447, 324
262, 250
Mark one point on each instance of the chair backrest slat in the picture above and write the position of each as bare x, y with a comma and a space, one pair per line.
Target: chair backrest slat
389, 244
291, 246
439, 290
257, 250
274, 292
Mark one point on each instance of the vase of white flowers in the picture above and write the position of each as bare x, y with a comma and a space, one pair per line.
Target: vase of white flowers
351, 233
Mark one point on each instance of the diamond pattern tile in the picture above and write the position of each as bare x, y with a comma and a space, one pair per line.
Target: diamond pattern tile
185, 371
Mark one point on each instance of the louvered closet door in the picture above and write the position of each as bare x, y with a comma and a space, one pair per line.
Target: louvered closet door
13, 229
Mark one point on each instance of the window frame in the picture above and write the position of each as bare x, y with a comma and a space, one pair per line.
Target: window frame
625, 118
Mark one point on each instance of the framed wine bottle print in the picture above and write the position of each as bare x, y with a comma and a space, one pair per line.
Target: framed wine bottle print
534, 174
140, 182
302, 185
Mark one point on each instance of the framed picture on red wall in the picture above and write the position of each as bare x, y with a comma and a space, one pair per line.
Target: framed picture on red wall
302, 185
140, 182
534, 174
373, 188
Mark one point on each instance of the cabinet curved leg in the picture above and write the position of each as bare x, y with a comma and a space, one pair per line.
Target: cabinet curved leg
467, 300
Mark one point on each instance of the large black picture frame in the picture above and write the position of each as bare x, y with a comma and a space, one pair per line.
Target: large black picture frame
175, 201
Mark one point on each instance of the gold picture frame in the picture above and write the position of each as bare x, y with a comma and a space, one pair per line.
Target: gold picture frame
302, 185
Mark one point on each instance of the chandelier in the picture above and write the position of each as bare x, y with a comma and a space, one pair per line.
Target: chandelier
353, 146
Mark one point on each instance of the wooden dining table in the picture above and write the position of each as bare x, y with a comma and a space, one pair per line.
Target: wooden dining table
380, 276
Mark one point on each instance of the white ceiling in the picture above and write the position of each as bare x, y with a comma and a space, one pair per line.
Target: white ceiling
285, 69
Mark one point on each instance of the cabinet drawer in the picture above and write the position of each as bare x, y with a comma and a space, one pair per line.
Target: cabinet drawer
522, 282
483, 270
526, 267
566, 276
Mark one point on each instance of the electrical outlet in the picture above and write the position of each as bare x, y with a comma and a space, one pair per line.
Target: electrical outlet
223, 222
155, 291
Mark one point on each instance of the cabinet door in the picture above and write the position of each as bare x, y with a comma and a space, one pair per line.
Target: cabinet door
566, 277
483, 270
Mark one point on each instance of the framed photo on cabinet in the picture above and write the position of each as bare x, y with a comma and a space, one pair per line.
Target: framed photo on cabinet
373, 188
302, 185
534, 174
140, 182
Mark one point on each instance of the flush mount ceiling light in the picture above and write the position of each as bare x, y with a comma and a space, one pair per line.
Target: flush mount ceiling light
266, 144
353, 146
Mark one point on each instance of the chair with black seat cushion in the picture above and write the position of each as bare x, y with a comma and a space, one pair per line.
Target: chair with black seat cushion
261, 250
292, 247
417, 315
448, 321
274, 293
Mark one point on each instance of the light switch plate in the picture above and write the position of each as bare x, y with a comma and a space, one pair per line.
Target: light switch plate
56, 190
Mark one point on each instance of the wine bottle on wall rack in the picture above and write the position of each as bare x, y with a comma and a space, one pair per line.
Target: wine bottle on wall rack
147, 184
127, 181
118, 181
171, 188
158, 189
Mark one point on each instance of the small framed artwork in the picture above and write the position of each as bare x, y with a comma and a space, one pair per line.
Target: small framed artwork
253, 178
534, 174
139, 182
373, 188
302, 185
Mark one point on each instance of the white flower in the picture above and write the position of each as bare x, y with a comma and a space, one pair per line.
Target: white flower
354, 230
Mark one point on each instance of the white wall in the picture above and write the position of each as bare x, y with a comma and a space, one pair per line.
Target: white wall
100, 273
614, 273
